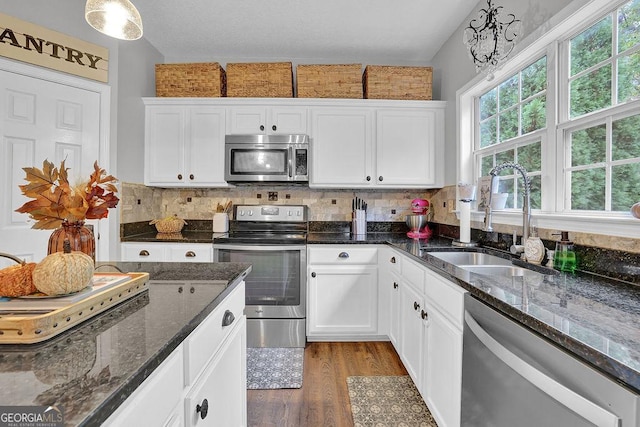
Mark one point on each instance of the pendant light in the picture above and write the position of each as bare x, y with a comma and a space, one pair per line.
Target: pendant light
115, 18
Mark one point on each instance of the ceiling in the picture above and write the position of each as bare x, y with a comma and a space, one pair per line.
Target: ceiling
401, 32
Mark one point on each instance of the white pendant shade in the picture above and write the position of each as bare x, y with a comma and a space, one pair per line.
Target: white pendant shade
115, 18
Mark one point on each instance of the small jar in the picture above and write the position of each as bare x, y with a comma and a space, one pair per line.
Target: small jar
534, 249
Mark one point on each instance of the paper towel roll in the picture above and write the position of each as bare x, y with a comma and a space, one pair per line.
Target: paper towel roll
465, 222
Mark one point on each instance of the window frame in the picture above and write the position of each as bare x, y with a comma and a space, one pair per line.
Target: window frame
553, 43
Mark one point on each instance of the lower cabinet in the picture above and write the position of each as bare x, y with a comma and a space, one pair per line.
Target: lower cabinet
202, 382
166, 252
411, 335
342, 296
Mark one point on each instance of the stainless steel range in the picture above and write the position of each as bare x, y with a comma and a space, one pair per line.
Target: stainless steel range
273, 239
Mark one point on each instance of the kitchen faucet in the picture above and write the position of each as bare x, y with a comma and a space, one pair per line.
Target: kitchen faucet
526, 206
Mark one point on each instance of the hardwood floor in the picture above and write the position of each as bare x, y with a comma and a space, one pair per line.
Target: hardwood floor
323, 399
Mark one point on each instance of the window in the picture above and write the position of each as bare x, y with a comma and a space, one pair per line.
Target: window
566, 107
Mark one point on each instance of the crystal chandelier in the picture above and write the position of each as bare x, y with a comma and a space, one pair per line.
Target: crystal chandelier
491, 37
115, 18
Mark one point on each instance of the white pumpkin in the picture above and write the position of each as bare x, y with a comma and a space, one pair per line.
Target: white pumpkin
63, 273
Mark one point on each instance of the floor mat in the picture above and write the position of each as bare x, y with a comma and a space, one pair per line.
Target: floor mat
271, 368
387, 401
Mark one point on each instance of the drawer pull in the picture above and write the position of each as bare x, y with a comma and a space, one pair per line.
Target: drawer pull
274, 127
228, 318
190, 254
180, 176
343, 255
144, 252
393, 260
416, 306
261, 127
203, 409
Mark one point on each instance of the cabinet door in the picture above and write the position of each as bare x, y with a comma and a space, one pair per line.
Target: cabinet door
394, 310
442, 379
287, 120
205, 149
343, 300
219, 397
406, 147
165, 145
267, 120
341, 148
411, 335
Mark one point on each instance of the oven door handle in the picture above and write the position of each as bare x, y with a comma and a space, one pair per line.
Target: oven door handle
250, 247
558, 392
291, 153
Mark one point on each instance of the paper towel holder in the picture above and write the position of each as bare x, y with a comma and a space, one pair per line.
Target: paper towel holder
466, 194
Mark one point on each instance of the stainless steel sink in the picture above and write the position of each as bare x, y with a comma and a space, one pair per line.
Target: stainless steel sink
501, 270
462, 259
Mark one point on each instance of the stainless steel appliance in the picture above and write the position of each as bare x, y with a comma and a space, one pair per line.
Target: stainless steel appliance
273, 239
513, 377
267, 158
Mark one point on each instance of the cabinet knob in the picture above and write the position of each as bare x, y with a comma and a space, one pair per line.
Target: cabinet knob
203, 409
190, 254
191, 176
273, 127
313, 274
395, 285
180, 290
416, 306
144, 252
179, 176
343, 255
192, 290
368, 178
228, 318
380, 178
261, 127
424, 315
393, 260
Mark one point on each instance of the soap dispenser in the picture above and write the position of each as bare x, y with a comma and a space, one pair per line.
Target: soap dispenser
564, 255
534, 248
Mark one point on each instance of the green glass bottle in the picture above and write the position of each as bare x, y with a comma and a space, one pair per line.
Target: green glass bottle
565, 255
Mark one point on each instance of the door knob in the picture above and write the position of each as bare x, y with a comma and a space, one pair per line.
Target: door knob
273, 127
313, 274
395, 285
179, 176
380, 178
261, 127
424, 315
203, 409
393, 260
416, 306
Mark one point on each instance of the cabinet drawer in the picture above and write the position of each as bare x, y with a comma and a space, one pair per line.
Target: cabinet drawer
342, 255
414, 274
142, 252
191, 253
202, 343
447, 297
153, 402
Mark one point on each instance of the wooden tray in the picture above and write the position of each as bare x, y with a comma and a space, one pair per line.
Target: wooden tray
33, 319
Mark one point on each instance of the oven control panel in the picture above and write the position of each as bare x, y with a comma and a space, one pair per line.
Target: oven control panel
267, 213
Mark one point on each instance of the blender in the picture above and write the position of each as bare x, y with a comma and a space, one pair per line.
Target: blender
417, 221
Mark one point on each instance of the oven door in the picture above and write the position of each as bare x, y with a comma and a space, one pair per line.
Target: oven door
276, 286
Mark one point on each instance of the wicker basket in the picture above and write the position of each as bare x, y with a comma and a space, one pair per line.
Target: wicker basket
329, 81
260, 80
387, 82
206, 79
169, 225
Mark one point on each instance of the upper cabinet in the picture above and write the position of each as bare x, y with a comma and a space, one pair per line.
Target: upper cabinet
391, 144
354, 143
267, 120
184, 145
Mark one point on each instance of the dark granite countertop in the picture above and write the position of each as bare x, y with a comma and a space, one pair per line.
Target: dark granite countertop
91, 369
182, 237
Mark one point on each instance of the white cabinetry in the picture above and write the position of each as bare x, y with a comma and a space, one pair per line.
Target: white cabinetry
167, 252
202, 382
389, 268
267, 120
341, 147
377, 147
342, 293
184, 144
411, 336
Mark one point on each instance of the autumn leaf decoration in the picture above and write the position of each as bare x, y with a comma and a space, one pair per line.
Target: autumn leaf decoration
55, 200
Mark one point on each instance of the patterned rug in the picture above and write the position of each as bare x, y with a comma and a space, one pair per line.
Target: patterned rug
386, 402
271, 368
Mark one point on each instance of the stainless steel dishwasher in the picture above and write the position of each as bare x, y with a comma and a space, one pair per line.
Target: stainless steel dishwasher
513, 377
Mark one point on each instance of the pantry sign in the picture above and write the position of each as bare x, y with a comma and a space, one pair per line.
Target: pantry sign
37, 45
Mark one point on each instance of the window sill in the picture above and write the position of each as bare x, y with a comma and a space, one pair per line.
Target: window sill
620, 225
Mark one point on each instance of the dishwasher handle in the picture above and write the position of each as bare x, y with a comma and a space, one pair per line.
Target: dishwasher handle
567, 397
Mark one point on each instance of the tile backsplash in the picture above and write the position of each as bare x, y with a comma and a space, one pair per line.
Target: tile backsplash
141, 203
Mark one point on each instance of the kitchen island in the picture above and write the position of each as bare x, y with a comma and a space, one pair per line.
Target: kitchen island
93, 368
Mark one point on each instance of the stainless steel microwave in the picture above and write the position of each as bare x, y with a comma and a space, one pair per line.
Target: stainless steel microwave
266, 158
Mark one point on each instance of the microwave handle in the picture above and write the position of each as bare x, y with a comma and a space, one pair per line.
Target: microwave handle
291, 157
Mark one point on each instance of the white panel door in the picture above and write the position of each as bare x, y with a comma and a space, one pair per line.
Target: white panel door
41, 120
